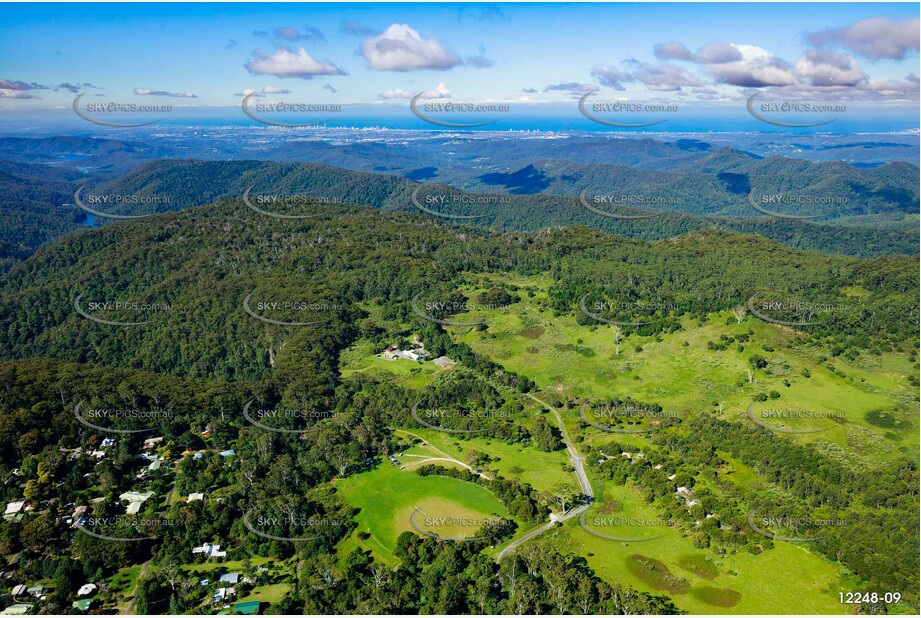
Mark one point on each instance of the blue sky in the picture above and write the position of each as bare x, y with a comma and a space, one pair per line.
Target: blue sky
381, 54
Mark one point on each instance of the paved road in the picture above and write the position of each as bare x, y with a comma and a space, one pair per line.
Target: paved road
577, 460
578, 464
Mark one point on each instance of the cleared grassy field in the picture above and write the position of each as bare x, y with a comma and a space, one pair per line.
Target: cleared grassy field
786, 580
541, 470
682, 374
387, 497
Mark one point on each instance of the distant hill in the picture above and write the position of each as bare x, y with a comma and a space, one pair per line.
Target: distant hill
192, 183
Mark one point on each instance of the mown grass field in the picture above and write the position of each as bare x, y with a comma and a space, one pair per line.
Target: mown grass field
387, 496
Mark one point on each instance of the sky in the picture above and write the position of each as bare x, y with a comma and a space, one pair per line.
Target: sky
212, 55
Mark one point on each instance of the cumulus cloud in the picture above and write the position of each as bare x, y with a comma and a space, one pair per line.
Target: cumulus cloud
147, 92
400, 48
874, 38
714, 52
575, 89
287, 63
826, 68
756, 68
14, 89
609, 76
440, 92
729, 63
664, 77
350, 26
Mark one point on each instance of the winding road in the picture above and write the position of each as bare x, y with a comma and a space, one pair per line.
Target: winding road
578, 462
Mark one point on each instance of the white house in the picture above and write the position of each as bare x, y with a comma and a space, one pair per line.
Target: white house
212, 551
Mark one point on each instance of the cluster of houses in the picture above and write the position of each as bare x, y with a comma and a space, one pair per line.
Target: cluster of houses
417, 353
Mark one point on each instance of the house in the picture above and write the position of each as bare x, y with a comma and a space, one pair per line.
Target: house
390, 353
222, 594
671, 477
688, 496
78, 513
194, 497
20, 590
212, 551
19, 609
230, 578
14, 507
150, 443
97, 454
135, 500
415, 356
107, 442
154, 465
36, 590
86, 589
247, 607
228, 453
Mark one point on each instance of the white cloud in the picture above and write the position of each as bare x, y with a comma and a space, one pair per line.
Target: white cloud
609, 76
286, 63
825, 68
261, 93
756, 68
147, 92
440, 92
400, 48
874, 38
